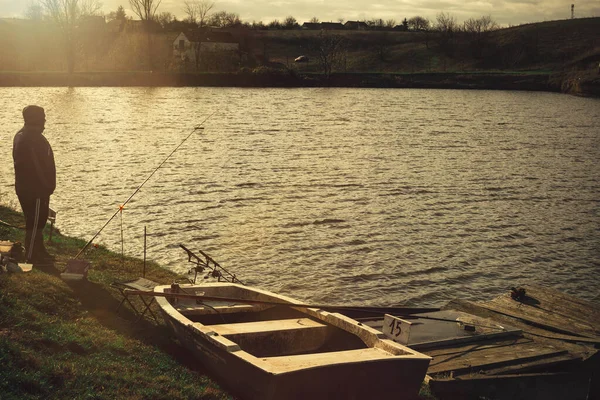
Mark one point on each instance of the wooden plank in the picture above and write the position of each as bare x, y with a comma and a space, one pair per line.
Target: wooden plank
487, 360
552, 310
266, 326
481, 346
534, 365
291, 363
537, 331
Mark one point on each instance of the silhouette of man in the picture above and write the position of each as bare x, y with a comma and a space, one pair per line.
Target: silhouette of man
35, 181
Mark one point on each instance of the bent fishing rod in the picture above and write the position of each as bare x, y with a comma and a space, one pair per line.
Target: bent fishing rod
196, 129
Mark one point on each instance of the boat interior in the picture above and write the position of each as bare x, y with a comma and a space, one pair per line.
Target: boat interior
263, 330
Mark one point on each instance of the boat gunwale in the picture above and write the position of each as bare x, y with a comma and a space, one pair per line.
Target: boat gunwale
371, 337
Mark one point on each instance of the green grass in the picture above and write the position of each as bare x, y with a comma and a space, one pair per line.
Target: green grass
61, 341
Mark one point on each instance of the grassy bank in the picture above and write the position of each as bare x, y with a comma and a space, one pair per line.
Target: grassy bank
64, 341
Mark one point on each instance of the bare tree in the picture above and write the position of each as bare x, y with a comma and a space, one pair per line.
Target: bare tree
165, 18
330, 50
66, 14
478, 32
189, 8
146, 11
390, 23
479, 26
198, 11
34, 11
90, 7
446, 23
224, 19
446, 26
314, 20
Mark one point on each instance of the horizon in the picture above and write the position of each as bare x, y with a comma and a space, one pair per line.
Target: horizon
503, 12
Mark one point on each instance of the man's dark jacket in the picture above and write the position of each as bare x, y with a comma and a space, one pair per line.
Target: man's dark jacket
35, 172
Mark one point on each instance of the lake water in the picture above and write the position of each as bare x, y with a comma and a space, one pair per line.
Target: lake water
345, 196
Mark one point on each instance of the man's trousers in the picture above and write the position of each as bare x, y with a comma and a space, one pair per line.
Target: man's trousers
36, 213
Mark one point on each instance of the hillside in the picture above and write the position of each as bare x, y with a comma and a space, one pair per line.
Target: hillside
564, 56
546, 46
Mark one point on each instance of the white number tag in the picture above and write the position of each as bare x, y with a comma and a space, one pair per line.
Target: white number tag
396, 329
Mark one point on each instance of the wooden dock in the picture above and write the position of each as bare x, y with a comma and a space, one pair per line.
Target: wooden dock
555, 357
545, 347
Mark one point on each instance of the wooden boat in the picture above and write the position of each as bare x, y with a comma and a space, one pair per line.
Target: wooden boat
261, 346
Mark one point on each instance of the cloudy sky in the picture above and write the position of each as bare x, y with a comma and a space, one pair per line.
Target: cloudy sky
505, 12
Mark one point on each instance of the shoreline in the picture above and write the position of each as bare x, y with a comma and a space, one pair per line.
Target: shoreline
546, 82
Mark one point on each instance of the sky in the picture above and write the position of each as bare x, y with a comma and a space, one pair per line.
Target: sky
504, 12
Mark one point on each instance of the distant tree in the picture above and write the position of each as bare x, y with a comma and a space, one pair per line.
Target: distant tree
224, 19
405, 24
330, 50
34, 11
418, 23
480, 25
118, 15
341, 20
66, 14
390, 23
446, 23
165, 18
258, 25
146, 11
198, 11
290, 23
382, 45
446, 27
190, 10
275, 24
376, 23
314, 20
477, 31
90, 7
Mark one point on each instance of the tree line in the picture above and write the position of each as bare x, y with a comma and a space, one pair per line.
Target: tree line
68, 16
202, 13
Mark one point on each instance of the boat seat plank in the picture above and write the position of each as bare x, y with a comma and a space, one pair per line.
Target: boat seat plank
266, 326
283, 364
221, 307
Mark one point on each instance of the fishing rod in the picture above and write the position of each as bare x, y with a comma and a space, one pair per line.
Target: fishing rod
408, 310
120, 209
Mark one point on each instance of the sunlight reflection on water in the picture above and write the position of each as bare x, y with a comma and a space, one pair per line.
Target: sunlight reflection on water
365, 196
